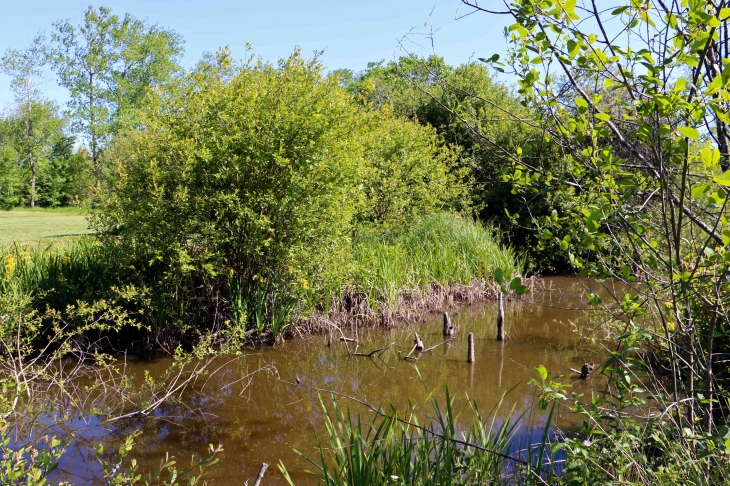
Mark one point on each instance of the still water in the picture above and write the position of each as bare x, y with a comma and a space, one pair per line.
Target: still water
264, 404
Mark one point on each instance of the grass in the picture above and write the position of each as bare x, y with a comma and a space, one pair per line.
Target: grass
394, 449
41, 225
442, 249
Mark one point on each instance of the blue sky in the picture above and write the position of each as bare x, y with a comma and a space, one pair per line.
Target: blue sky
352, 32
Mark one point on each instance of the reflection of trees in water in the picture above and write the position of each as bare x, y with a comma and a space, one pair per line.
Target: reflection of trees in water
265, 419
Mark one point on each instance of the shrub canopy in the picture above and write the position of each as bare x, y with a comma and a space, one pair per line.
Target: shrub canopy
262, 170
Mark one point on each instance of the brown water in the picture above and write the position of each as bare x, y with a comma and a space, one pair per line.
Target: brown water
262, 417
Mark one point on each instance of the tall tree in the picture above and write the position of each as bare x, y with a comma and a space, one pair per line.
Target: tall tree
26, 69
107, 64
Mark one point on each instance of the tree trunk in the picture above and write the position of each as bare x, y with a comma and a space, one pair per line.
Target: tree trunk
32, 178
29, 140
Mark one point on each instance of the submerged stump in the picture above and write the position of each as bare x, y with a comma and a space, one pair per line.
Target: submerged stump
470, 357
418, 343
586, 370
448, 327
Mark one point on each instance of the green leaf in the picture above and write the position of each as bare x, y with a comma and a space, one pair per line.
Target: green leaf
710, 157
700, 190
726, 237
499, 275
603, 116
516, 286
543, 373
724, 180
689, 132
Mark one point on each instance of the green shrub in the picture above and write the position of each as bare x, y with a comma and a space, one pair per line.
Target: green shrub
256, 177
407, 172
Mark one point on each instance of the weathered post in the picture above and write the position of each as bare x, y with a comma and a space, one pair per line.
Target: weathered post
586, 370
500, 318
419, 344
470, 358
448, 328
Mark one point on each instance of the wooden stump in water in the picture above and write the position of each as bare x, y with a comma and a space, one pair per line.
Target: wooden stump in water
470, 338
500, 318
419, 344
586, 370
448, 327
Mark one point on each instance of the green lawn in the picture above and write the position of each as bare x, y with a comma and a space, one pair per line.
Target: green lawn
42, 225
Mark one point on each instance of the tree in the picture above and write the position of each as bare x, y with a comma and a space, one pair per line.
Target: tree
31, 154
25, 68
485, 124
636, 97
107, 64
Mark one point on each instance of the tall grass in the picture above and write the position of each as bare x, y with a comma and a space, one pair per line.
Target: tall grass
443, 249
390, 449
61, 272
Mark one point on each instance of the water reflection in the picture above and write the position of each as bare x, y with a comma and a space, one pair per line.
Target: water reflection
261, 416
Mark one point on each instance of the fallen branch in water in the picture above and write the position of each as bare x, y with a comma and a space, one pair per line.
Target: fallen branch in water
260, 476
371, 353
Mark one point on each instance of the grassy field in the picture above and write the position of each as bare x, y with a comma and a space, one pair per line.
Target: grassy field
42, 225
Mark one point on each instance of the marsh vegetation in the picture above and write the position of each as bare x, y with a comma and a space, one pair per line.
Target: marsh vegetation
242, 206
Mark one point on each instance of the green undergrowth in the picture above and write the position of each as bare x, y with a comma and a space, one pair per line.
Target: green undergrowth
442, 249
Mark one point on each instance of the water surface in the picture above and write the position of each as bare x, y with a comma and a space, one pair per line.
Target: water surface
265, 403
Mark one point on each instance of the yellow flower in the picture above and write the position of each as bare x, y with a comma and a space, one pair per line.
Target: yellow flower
669, 305
304, 284
66, 260
671, 326
9, 264
230, 272
261, 279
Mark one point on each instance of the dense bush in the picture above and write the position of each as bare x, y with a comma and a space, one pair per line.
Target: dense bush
259, 174
486, 125
406, 172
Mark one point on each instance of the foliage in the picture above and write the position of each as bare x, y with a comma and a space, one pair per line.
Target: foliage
108, 63
40, 166
485, 124
643, 126
407, 172
256, 176
25, 67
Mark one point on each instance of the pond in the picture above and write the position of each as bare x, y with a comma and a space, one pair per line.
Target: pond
264, 404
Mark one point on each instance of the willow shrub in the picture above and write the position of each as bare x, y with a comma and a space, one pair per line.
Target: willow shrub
255, 175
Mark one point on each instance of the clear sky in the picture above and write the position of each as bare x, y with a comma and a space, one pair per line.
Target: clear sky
352, 33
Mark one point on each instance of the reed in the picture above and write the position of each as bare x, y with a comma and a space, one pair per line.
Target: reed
391, 449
